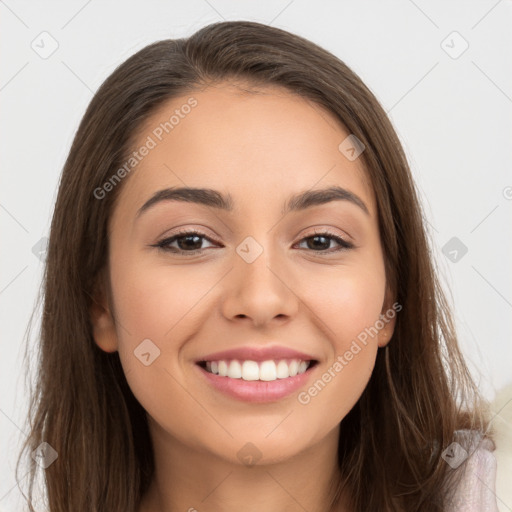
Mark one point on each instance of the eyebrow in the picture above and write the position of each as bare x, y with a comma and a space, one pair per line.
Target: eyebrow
216, 199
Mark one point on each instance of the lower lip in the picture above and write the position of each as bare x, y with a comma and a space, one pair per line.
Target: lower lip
257, 390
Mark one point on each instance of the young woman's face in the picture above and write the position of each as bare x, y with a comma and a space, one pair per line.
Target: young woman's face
261, 275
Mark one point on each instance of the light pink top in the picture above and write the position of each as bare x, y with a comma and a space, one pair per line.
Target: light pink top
477, 489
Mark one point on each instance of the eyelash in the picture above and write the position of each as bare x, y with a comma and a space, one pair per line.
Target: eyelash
164, 244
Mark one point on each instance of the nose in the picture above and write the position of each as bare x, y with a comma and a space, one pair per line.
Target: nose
260, 291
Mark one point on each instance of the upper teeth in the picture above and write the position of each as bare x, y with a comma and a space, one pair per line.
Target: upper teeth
251, 370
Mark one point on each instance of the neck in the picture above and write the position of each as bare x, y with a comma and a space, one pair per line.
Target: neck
191, 479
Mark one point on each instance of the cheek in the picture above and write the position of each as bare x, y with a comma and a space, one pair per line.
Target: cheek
349, 307
157, 309
348, 301
154, 300
338, 385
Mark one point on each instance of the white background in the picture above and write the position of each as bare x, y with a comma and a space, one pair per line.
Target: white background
453, 116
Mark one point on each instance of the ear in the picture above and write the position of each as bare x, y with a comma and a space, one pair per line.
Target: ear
389, 312
103, 326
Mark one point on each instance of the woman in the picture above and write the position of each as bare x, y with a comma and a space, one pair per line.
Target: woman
305, 358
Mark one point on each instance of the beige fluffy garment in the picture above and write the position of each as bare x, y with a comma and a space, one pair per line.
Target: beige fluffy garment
502, 425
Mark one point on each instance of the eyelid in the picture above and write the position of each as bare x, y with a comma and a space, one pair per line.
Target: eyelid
182, 231
186, 232
331, 232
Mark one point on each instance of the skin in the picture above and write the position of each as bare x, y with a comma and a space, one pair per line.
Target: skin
260, 147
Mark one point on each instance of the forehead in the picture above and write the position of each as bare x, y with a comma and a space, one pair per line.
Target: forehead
263, 144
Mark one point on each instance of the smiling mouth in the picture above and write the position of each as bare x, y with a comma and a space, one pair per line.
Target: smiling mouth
248, 370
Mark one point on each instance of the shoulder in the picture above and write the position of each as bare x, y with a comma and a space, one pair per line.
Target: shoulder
485, 466
502, 426
472, 457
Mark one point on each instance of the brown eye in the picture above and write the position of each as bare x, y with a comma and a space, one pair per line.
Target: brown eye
321, 242
188, 242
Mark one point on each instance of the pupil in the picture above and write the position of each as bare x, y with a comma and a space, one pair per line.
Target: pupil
316, 245
189, 246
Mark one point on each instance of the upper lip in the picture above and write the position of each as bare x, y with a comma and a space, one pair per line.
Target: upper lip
257, 354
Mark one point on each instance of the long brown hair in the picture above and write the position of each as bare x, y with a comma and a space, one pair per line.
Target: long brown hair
420, 391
